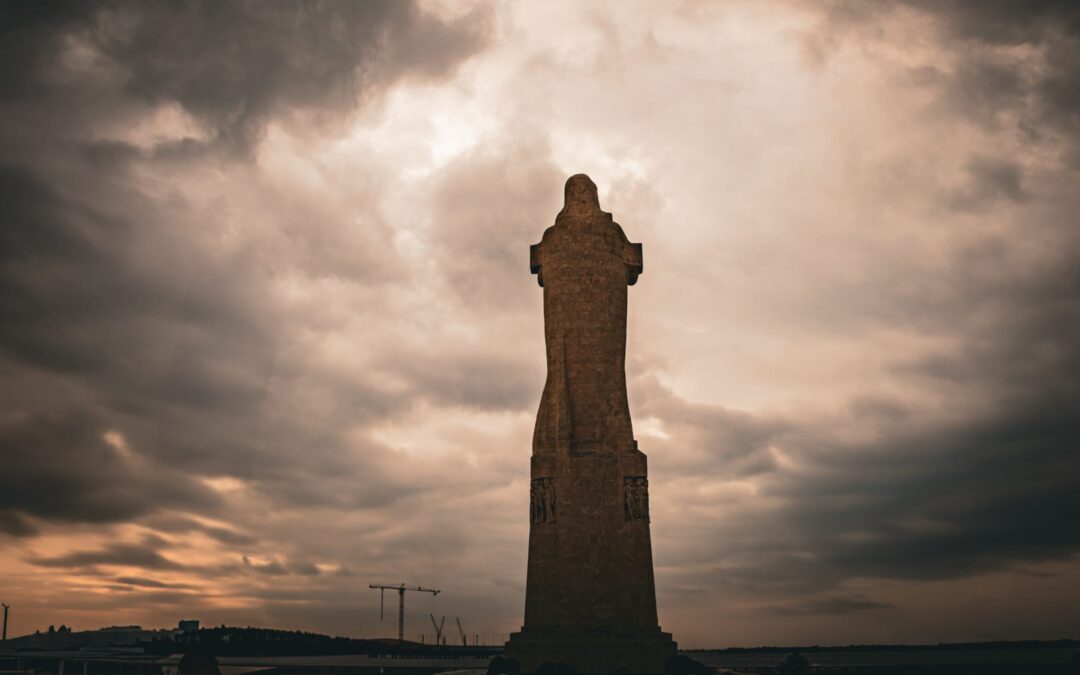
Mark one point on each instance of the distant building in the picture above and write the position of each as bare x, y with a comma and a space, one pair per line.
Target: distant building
120, 629
189, 625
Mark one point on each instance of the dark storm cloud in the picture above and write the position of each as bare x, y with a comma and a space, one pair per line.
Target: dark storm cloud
989, 179
15, 525
1036, 96
60, 467
256, 348
1002, 21
490, 211
473, 379
142, 555
235, 66
713, 435
914, 503
78, 300
30, 35
981, 480
119, 311
147, 583
945, 503
173, 345
890, 489
180, 525
831, 606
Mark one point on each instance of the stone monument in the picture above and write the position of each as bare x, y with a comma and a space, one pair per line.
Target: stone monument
590, 601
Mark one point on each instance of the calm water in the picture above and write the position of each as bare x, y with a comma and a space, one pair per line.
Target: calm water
913, 657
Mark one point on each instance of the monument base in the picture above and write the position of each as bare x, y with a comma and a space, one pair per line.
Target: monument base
593, 654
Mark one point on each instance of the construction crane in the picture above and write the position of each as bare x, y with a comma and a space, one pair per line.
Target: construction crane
400, 588
464, 640
6, 608
439, 639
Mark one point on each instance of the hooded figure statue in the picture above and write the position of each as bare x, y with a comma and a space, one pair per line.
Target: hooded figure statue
584, 262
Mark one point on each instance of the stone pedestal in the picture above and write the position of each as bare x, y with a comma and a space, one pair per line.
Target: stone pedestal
596, 654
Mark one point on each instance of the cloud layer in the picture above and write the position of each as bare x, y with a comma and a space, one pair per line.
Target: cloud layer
267, 332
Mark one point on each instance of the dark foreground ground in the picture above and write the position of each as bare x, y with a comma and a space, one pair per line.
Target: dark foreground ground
953, 669
83, 664
238, 651
1002, 659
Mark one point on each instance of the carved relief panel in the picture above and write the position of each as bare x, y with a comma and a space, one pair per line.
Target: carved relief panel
542, 501
636, 498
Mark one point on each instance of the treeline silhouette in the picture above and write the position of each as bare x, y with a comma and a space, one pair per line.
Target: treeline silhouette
252, 641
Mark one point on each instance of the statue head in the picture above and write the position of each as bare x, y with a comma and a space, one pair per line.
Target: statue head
580, 197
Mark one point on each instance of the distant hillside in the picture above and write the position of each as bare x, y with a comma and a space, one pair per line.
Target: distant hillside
250, 641
65, 640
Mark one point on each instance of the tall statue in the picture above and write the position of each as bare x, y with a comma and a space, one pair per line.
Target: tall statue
590, 599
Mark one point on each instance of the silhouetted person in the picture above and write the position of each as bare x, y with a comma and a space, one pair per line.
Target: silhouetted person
199, 663
794, 664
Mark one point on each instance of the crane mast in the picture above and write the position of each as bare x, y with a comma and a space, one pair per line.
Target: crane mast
464, 640
400, 588
439, 639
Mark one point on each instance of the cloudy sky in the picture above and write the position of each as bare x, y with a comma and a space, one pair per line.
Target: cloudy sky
268, 332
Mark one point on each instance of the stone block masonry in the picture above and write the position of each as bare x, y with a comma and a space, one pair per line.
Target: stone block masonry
590, 599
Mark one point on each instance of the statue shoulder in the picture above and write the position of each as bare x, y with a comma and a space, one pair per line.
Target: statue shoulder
536, 257
632, 255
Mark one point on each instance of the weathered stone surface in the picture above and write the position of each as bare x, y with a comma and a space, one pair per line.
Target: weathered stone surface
590, 599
